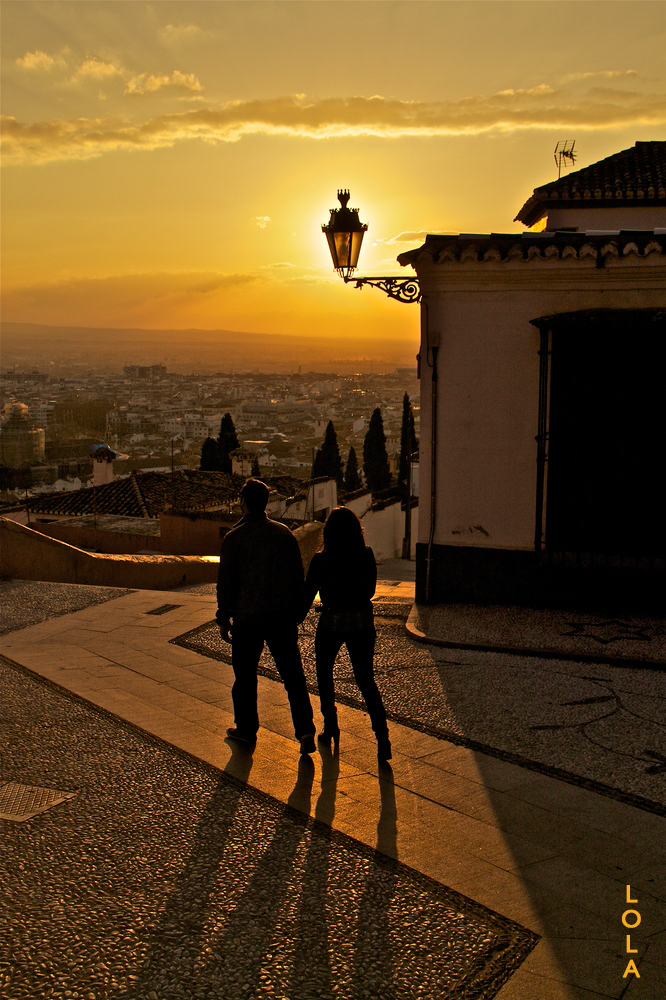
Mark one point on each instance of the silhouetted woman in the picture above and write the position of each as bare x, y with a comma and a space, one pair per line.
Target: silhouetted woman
344, 572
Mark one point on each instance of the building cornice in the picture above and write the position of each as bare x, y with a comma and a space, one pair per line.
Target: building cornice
525, 248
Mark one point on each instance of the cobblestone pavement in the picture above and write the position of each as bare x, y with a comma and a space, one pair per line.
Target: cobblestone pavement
164, 878
24, 603
589, 723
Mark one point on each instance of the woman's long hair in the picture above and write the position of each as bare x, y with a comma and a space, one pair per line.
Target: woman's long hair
343, 534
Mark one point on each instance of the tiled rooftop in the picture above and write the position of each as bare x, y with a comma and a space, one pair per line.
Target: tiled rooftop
286, 486
144, 494
635, 176
539, 246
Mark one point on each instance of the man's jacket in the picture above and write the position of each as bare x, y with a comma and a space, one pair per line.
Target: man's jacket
261, 572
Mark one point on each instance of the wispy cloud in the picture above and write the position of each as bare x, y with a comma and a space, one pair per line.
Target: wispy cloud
508, 111
608, 74
262, 220
93, 69
96, 69
124, 297
403, 239
146, 83
40, 61
177, 34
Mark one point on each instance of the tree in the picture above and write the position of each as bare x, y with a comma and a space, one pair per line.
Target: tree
352, 478
327, 461
210, 457
375, 459
227, 442
408, 442
256, 471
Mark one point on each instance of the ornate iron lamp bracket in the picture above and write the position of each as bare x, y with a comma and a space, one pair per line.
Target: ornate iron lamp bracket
401, 289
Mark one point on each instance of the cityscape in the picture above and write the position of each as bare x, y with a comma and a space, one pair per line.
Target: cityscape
156, 420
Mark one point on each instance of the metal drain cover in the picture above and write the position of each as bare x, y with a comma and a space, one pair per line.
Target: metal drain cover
163, 608
20, 802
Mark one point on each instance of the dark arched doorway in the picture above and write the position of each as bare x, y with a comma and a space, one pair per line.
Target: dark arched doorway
602, 438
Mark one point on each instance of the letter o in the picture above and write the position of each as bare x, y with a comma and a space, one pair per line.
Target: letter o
626, 914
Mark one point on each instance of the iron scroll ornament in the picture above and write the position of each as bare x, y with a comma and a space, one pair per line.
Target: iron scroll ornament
401, 289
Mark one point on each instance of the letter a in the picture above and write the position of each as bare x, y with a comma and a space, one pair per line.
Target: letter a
631, 967
629, 899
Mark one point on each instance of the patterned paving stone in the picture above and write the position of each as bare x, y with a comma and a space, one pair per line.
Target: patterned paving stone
24, 603
164, 878
597, 725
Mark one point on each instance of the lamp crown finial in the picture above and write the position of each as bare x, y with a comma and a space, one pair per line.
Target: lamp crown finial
343, 197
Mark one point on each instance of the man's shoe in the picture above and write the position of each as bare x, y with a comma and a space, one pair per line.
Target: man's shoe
307, 744
384, 749
241, 737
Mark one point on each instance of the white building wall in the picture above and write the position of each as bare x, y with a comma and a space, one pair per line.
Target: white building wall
360, 504
384, 531
612, 218
488, 369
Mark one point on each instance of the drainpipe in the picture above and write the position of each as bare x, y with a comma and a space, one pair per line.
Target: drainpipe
432, 345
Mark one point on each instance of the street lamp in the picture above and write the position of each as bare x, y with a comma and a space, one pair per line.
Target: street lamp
344, 234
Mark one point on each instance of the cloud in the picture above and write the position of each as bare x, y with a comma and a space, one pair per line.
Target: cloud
177, 34
608, 74
125, 297
404, 238
96, 69
40, 61
509, 111
262, 220
146, 83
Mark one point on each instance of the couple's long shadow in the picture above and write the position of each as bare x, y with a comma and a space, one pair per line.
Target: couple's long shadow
177, 941
278, 928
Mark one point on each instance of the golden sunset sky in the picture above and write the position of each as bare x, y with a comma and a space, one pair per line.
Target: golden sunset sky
169, 164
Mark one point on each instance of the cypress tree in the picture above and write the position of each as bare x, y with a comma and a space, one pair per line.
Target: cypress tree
327, 461
352, 478
408, 442
317, 465
331, 454
210, 458
375, 458
227, 442
256, 471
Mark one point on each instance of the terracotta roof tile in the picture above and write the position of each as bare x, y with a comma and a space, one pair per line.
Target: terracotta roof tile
285, 486
634, 176
538, 246
144, 494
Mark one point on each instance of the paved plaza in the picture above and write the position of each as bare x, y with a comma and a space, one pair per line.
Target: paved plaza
489, 860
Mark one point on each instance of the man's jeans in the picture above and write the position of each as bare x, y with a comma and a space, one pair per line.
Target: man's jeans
248, 637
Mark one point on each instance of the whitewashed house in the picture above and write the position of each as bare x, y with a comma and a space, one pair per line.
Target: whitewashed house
542, 433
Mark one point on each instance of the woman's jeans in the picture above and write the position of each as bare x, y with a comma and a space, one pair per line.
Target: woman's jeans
361, 648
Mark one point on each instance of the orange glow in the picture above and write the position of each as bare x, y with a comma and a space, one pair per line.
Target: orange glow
170, 165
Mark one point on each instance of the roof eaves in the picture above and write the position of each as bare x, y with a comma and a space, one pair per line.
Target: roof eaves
547, 244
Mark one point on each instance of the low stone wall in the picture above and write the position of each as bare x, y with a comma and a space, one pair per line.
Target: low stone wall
29, 555
309, 540
113, 542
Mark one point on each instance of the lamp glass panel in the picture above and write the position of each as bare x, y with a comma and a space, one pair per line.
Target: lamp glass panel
343, 249
356, 240
332, 247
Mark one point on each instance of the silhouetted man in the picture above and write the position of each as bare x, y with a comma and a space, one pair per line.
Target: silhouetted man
260, 588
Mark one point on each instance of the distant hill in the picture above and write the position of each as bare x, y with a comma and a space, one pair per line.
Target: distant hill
33, 345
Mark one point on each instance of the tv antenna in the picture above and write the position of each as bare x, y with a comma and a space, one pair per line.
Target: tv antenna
564, 151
